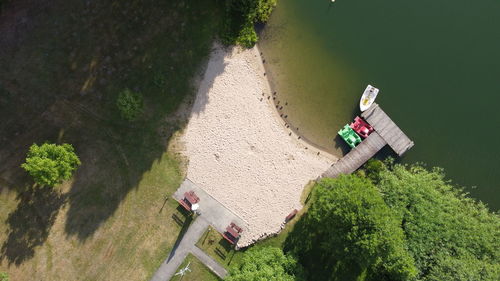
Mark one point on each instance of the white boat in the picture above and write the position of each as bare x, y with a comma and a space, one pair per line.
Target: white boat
368, 98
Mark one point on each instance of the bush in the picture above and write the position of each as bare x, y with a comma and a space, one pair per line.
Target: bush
50, 164
3, 275
373, 168
129, 104
264, 10
268, 263
247, 37
241, 15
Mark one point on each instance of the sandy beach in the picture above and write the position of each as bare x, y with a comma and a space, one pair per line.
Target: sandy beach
239, 148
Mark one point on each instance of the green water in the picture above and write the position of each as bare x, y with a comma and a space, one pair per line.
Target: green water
436, 62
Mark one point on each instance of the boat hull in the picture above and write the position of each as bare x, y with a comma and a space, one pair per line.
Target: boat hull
368, 97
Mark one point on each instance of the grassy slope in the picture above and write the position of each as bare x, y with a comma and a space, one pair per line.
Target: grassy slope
199, 272
62, 66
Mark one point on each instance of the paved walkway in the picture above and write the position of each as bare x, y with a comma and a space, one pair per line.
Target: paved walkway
183, 248
212, 213
209, 262
218, 215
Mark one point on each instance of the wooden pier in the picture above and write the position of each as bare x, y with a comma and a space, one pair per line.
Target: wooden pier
386, 133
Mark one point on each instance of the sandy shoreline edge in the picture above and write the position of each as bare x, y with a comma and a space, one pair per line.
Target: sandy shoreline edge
295, 133
239, 149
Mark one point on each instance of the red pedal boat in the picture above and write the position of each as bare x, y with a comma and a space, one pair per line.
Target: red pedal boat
362, 128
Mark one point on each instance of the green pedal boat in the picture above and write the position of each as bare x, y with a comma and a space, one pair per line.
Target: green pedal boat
348, 134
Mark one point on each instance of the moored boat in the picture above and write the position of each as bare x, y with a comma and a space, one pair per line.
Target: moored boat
362, 128
349, 136
368, 97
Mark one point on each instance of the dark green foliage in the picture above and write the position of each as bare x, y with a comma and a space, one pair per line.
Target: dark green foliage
349, 231
2, 2
247, 37
264, 10
129, 104
373, 168
50, 164
241, 15
450, 236
265, 263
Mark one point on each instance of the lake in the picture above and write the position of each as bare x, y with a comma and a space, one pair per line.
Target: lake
436, 63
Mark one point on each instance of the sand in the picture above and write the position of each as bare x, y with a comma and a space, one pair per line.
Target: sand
239, 148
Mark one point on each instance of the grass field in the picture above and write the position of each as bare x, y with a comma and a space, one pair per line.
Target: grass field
132, 242
199, 272
212, 243
63, 64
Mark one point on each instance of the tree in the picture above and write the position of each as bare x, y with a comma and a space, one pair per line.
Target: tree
349, 231
450, 236
267, 263
4, 276
50, 164
241, 15
129, 104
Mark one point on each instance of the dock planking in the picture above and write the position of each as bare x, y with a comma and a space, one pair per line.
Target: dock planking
357, 156
386, 132
387, 129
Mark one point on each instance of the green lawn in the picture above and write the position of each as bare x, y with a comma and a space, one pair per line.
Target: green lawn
132, 242
199, 272
214, 245
59, 81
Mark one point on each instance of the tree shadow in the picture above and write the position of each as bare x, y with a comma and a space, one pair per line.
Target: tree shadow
185, 226
115, 157
76, 56
30, 224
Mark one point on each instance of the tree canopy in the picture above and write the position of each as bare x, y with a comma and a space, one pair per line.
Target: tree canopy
50, 164
450, 236
266, 263
350, 231
241, 15
4, 276
393, 222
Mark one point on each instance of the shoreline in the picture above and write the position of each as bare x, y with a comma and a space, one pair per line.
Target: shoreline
239, 149
302, 139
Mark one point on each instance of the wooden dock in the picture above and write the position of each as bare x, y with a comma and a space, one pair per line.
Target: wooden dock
386, 132
387, 129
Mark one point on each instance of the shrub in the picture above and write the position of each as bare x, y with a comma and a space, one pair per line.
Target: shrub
247, 37
241, 15
129, 104
4, 276
268, 263
264, 10
50, 164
